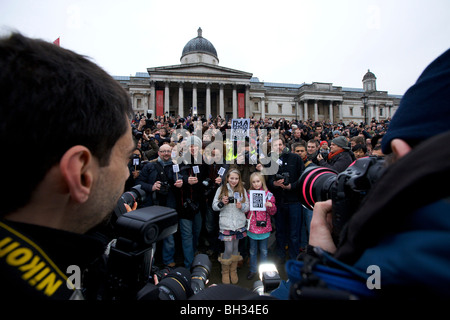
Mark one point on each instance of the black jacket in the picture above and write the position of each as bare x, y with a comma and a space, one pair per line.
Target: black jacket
293, 164
339, 162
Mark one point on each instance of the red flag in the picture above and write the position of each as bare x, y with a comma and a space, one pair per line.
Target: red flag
56, 42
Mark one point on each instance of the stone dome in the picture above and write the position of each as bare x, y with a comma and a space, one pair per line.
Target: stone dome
369, 75
199, 45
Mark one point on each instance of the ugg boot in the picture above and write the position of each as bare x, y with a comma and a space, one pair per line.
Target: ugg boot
233, 269
226, 263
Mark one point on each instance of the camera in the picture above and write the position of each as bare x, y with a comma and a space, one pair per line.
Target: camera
209, 186
346, 189
284, 175
179, 283
261, 224
135, 194
164, 188
191, 206
230, 199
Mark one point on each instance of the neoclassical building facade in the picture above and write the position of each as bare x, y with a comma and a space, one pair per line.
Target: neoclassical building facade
200, 86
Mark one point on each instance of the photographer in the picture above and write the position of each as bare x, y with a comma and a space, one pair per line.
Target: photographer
412, 249
78, 176
283, 185
340, 156
192, 196
162, 188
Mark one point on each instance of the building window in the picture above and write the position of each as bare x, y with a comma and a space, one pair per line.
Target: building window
138, 102
266, 108
381, 112
362, 111
256, 106
293, 108
351, 111
280, 108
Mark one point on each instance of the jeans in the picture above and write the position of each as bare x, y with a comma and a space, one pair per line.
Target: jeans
307, 216
168, 250
254, 244
190, 232
288, 221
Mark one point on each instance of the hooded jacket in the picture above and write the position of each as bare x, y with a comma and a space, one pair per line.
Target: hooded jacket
231, 218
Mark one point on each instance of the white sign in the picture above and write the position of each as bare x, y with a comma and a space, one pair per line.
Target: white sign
240, 128
257, 200
176, 168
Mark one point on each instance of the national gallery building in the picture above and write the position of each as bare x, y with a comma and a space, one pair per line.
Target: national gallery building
198, 85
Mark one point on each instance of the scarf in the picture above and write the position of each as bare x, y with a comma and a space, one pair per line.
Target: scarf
331, 155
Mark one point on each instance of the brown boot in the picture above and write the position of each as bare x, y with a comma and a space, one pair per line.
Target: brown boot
233, 269
226, 263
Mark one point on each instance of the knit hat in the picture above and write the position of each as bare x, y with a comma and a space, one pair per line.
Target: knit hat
194, 140
424, 110
323, 142
342, 142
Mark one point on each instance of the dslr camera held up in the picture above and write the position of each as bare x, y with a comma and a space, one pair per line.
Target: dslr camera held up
130, 269
284, 175
346, 189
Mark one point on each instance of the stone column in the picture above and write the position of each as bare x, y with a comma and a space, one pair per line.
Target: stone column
330, 111
152, 97
221, 102
208, 100
194, 98
340, 112
234, 102
305, 106
316, 111
180, 99
263, 108
377, 112
166, 97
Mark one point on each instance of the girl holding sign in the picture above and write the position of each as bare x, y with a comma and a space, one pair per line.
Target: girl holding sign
262, 206
232, 202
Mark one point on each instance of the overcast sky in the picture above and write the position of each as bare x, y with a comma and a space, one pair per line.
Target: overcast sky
277, 41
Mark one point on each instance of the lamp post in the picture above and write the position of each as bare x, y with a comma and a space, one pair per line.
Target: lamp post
364, 100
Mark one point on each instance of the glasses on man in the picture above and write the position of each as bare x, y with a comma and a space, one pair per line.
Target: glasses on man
165, 151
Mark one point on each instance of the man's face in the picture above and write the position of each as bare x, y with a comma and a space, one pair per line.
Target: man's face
312, 147
301, 151
278, 146
334, 148
297, 133
109, 183
165, 152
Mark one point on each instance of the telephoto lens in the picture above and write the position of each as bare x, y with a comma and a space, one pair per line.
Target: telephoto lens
175, 285
316, 183
201, 268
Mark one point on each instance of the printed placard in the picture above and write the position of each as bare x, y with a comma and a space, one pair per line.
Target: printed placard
196, 169
257, 200
176, 168
221, 171
240, 128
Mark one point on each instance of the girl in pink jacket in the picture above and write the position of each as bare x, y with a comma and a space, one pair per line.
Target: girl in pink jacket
260, 225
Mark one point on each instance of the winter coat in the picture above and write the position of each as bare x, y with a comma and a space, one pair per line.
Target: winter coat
261, 216
339, 162
231, 218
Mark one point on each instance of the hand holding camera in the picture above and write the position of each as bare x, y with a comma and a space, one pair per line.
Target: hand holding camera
156, 186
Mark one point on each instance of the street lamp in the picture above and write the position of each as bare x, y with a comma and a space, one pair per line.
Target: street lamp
364, 100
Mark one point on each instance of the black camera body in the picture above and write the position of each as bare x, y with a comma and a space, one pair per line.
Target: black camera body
164, 188
190, 205
346, 189
261, 224
231, 199
284, 175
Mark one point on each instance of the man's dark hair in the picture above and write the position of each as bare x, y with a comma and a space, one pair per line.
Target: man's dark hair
52, 99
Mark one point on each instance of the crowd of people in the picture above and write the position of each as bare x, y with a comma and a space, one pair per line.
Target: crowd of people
63, 102
200, 189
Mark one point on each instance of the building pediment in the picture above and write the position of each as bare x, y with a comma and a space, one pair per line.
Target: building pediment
198, 69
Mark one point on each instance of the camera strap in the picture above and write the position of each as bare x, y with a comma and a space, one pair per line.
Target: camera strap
27, 265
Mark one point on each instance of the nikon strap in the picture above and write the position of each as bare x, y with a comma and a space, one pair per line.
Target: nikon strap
24, 264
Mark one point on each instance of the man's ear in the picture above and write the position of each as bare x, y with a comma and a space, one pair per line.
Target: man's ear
400, 148
76, 168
